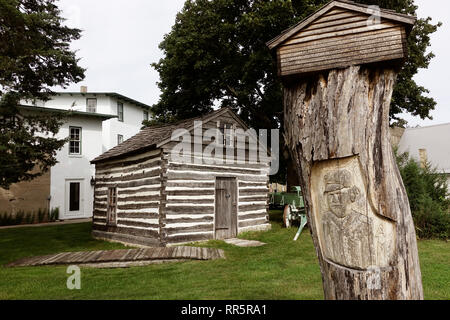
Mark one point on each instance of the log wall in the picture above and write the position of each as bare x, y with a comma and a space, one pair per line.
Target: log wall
190, 209
138, 182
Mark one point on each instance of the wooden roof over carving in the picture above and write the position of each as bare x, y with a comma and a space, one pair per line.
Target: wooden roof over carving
154, 136
340, 34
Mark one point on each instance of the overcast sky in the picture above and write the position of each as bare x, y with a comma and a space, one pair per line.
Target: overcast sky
120, 40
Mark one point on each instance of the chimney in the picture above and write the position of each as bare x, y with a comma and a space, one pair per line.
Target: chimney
423, 157
83, 89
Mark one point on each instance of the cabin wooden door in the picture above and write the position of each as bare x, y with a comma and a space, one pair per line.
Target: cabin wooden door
226, 208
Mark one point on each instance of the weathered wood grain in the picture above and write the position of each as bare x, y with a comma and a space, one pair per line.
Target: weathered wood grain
339, 115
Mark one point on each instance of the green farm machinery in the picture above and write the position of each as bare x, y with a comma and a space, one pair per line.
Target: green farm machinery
294, 208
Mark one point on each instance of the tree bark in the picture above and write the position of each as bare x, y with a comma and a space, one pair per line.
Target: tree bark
337, 129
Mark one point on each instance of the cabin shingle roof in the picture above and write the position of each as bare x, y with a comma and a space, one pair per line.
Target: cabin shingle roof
149, 137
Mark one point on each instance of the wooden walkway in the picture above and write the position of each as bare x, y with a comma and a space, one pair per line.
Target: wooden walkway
122, 257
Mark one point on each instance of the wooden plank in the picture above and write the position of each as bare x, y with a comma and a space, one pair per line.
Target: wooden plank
254, 198
349, 53
131, 177
251, 207
137, 224
146, 233
169, 221
195, 192
347, 59
153, 163
248, 223
138, 198
377, 41
191, 201
191, 237
171, 210
131, 184
329, 31
343, 63
252, 216
342, 33
335, 20
138, 215
197, 228
342, 40
254, 191
193, 184
124, 163
135, 191
334, 12
138, 206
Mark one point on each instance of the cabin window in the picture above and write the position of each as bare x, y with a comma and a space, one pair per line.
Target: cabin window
119, 139
91, 105
75, 140
120, 111
111, 212
227, 131
74, 196
146, 115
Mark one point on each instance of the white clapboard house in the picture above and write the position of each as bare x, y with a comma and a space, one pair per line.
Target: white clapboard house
97, 122
429, 144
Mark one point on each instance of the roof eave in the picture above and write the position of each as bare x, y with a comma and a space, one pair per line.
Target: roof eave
69, 112
124, 155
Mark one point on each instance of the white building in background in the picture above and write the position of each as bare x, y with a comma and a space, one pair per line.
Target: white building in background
98, 121
431, 144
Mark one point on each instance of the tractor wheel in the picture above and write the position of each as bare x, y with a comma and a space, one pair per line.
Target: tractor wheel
286, 213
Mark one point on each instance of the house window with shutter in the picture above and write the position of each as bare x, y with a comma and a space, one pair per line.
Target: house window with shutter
119, 139
146, 115
91, 105
111, 213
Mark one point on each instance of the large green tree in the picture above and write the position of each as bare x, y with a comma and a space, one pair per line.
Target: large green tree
34, 56
216, 54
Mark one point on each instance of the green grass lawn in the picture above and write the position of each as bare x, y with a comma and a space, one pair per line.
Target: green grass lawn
282, 269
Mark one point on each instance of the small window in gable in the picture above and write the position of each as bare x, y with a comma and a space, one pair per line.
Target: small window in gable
228, 134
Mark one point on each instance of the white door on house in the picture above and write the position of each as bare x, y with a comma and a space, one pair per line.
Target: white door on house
74, 198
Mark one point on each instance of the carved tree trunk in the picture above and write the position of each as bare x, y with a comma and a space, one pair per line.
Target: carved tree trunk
337, 129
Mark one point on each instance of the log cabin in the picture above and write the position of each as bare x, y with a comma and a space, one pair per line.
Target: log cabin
146, 195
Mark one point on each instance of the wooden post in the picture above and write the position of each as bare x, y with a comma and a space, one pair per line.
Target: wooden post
337, 128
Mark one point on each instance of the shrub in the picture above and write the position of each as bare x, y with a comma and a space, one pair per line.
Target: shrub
22, 217
54, 214
41, 215
428, 197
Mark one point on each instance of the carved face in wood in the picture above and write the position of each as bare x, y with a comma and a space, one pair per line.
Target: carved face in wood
339, 193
